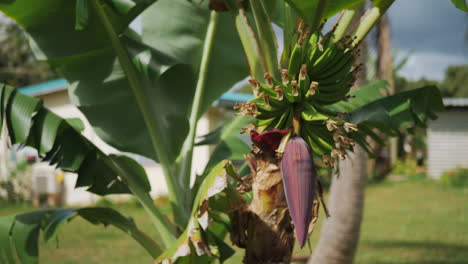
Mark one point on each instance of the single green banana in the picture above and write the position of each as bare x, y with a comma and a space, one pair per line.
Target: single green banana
324, 137
334, 68
279, 123
263, 88
339, 75
285, 121
312, 91
264, 122
330, 98
273, 97
321, 61
296, 93
339, 85
313, 39
320, 144
334, 60
304, 80
309, 113
264, 115
296, 60
313, 144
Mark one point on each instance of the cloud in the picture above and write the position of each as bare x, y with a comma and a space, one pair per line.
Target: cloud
434, 31
430, 65
428, 25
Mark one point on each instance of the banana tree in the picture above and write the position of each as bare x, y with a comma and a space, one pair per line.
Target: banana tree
161, 79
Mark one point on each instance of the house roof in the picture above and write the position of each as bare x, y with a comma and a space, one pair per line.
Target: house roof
44, 88
228, 99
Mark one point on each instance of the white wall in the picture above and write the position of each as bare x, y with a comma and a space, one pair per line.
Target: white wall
59, 104
447, 142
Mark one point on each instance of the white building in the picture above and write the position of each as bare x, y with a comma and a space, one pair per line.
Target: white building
447, 138
55, 97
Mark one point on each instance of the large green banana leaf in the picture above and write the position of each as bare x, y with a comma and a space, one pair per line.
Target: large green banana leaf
61, 144
99, 85
391, 114
460, 4
308, 8
178, 28
19, 235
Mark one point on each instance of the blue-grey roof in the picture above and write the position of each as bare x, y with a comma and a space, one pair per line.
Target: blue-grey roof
45, 87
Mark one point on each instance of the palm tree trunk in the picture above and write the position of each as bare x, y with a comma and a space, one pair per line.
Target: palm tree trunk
340, 232
385, 70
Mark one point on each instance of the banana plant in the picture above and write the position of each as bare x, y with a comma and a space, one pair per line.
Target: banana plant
160, 79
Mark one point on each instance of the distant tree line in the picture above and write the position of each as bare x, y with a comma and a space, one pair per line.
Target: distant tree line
454, 84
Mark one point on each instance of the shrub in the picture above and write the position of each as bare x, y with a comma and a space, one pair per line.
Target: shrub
457, 177
105, 202
407, 167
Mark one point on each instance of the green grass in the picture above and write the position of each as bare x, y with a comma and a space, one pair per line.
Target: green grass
408, 222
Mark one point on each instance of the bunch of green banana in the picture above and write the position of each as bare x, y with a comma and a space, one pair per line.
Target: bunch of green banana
320, 72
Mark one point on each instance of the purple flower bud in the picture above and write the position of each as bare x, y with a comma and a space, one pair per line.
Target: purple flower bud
300, 185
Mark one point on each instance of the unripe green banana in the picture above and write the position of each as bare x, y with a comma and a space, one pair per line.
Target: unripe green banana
330, 98
339, 85
337, 76
309, 113
312, 91
319, 145
304, 80
322, 61
312, 46
334, 68
265, 122
313, 144
297, 95
274, 101
323, 137
285, 120
296, 60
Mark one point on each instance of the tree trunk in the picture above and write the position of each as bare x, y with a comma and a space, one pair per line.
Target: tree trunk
385, 71
340, 232
384, 54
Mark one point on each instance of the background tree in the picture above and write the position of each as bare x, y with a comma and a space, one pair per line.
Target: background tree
454, 83
18, 66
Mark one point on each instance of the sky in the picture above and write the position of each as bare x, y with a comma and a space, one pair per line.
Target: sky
433, 32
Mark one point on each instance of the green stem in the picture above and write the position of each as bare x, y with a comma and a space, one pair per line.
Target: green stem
187, 149
144, 104
344, 23
267, 36
315, 23
249, 39
371, 18
289, 24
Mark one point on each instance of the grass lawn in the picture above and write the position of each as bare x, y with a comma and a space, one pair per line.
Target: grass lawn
405, 222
